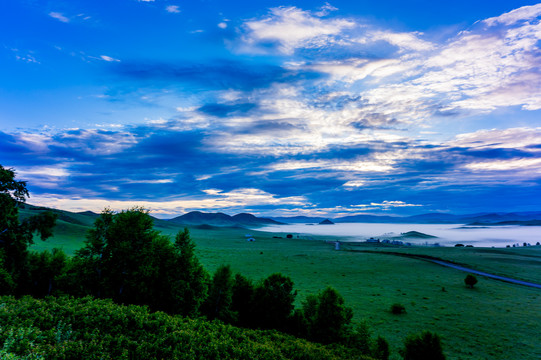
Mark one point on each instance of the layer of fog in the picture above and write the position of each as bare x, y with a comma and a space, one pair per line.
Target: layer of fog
447, 234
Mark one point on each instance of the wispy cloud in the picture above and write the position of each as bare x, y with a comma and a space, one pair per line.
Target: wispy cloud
108, 58
291, 28
175, 9
59, 16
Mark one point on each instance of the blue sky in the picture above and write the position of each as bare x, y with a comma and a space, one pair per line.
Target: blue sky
274, 108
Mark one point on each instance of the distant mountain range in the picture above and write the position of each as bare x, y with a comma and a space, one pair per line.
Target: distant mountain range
221, 219
198, 218
518, 218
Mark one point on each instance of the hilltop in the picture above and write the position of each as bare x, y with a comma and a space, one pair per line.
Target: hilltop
221, 219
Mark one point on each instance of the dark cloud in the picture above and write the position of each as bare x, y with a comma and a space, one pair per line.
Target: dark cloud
492, 154
215, 75
224, 110
267, 127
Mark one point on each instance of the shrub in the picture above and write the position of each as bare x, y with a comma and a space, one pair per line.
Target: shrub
424, 346
380, 349
398, 309
470, 280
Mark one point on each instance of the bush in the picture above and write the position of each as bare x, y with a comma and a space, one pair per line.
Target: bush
424, 346
398, 309
470, 281
380, 349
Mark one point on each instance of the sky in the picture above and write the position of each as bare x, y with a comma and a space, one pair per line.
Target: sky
277, 108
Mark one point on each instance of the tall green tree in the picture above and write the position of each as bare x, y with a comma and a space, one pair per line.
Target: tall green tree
242, 300
220, 297
125, 259
273, 303
328, 320
190, 278
16, 235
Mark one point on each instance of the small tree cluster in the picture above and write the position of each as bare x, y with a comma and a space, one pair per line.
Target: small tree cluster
126, 260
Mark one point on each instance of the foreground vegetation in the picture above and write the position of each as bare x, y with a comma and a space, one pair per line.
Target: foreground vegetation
86, 328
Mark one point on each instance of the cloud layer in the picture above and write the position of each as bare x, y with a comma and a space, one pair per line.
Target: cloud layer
310, 112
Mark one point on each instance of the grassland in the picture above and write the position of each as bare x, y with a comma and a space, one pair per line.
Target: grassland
495, 320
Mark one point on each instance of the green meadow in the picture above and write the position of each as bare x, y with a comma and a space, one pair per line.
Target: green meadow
494, 320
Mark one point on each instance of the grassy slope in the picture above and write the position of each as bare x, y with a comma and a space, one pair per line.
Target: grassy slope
495, 320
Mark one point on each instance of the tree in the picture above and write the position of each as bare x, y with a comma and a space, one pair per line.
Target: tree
273, 303
424, 346
125, 259
190, 279
220, 297
470, 280
46, 269
242, 300
15, 235
328, 320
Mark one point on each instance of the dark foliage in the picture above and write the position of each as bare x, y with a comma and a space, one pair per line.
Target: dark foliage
398, 309
220, 297
16, 236
126, 260
424, 346
327, 319
273, 303
242, 300
470, 280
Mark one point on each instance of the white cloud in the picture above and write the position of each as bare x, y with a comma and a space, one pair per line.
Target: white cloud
354, 183
389, 204
159, 181
28, 57
212, 201
376, 165
506, 165
512, 138
172, 9
59, 16
222, 25
108, 58
50, 176
524, 13
294, 28
404, 41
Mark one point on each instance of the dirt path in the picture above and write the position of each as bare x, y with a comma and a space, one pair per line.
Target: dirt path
488, 275
454, 266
